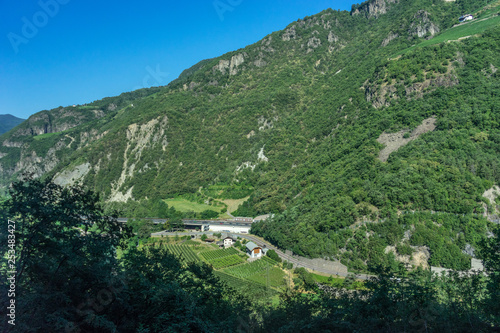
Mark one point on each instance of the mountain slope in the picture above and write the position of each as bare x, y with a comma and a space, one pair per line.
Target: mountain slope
294, 120
7, 122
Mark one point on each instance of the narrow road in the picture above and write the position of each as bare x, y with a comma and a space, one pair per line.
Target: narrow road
261, 242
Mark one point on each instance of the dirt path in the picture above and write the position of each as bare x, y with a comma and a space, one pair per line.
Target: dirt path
72, 140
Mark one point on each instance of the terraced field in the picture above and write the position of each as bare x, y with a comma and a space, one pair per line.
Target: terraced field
221, 253
249, 278
222, 258
274, 277
183, 251
252, 289
244, 271
226, 261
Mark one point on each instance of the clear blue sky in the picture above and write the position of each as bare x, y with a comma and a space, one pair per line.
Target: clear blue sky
83, 50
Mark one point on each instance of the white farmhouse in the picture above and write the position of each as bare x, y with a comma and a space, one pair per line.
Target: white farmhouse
228, 242
253, 250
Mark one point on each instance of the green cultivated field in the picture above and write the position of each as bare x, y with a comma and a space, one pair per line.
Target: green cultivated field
222, 258
44, 136
252, 289
244, 271
221, 253
184, 205
275, 277
227, 261
258, 279
183, 251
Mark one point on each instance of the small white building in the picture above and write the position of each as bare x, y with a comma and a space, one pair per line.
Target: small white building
228, 242
466, 17
253, 250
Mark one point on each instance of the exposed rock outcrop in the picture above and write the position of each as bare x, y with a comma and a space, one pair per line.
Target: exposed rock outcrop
332, 38
374, 8
389, 38
289, 34
224, 65
381, 96
72, 176
31, 162
139, 137
394, 141
419, 258
492, 194
422, 25
314, 42
236, 61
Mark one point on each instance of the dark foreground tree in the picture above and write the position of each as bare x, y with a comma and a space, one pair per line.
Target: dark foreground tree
68, 278
164, 294
492, 263
65, 255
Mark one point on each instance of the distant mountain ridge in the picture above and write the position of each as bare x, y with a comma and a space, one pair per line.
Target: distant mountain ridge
8, 122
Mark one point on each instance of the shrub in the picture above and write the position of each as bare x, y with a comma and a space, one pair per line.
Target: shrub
273, 255
404, 249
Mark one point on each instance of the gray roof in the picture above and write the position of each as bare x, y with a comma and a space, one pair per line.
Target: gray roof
251, 245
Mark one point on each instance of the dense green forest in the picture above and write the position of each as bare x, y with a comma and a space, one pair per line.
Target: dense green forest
294, 122
68, 266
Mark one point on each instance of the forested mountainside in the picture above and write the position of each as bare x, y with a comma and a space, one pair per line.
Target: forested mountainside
371, 134
8, 121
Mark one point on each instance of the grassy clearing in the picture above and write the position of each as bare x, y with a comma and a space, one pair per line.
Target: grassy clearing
222, 191
44, 136
331, 281
184, 205
233, 204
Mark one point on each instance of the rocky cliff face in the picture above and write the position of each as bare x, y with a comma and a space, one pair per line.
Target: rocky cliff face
381, 96
56, 120
375, 8
289, 69
31, 147
422, 26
